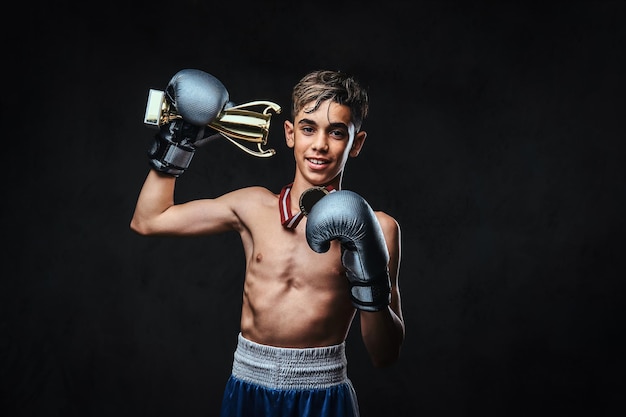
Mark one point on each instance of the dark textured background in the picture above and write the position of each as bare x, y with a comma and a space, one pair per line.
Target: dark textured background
495, 138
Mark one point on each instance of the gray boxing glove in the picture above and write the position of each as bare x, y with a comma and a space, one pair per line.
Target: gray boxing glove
198, 97
346, 216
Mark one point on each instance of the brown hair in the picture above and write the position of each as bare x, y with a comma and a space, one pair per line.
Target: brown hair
322, 85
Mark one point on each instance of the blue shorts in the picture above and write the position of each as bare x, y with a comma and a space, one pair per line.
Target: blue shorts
286, 382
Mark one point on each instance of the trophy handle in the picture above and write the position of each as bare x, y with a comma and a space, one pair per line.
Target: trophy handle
240, 123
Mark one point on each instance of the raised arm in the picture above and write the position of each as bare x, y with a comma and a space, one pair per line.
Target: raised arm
198, 98
156, 214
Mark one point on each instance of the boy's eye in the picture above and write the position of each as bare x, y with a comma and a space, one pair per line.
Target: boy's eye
338, 133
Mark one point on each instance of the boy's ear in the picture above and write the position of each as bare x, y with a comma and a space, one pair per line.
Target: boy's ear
357, 144
289, 133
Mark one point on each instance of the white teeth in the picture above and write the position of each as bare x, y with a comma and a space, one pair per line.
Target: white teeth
316, 161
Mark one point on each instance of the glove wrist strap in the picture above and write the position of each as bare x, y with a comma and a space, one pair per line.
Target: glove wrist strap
373, 295
170, 157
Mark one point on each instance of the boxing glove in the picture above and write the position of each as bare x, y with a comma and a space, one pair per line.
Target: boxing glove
346, 216
198, 98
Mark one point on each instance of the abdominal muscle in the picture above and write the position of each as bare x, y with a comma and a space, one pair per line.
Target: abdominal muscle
296, 297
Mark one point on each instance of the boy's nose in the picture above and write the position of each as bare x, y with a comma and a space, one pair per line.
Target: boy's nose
321, 142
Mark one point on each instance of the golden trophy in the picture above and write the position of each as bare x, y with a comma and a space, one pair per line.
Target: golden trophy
235, 122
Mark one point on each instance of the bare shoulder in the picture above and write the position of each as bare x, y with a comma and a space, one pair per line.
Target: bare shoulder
253, 194
259, 191
252, 202
387, 222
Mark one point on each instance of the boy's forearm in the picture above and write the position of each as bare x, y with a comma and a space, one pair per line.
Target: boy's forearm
383, 334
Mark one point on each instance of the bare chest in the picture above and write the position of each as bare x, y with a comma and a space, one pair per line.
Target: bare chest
276, 253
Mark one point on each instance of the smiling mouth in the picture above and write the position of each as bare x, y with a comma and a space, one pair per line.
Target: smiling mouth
315, 161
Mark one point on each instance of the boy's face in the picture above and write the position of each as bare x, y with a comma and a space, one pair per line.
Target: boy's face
322, 141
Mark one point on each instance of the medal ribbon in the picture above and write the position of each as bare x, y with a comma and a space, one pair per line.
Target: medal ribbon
287, 219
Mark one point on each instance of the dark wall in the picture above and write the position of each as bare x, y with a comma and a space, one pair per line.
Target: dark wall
495, 138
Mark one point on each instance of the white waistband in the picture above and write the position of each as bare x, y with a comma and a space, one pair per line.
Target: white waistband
289, 368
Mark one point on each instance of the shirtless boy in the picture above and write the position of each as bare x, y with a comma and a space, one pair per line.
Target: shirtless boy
306, 276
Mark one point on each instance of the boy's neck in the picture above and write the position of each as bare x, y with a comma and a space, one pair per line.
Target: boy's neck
299, 186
